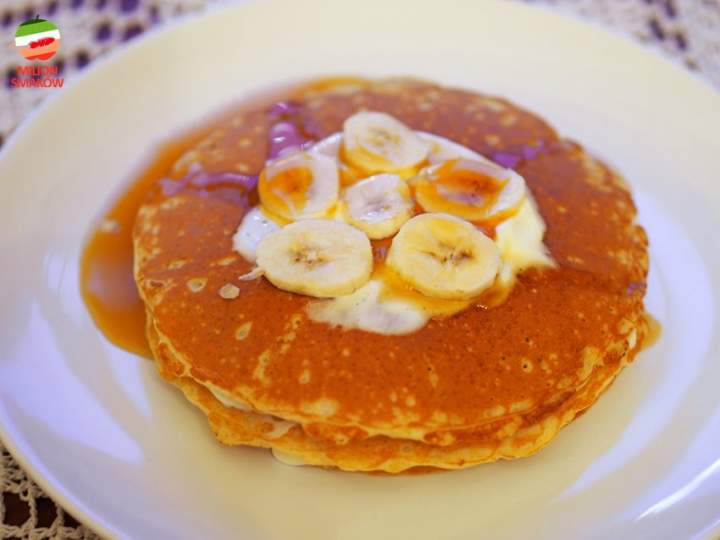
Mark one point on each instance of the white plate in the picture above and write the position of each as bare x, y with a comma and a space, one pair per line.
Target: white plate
129, 456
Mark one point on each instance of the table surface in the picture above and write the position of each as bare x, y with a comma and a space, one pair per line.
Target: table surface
684, 31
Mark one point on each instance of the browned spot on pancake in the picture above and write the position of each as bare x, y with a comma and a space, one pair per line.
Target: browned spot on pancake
196, 284
229, 291
243, 330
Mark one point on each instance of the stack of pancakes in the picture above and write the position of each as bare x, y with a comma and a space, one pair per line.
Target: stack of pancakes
475, 387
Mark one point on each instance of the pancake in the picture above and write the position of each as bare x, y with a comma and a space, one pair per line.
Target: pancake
380, 453
477, 386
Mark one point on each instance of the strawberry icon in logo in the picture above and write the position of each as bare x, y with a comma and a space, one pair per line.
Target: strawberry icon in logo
37, 39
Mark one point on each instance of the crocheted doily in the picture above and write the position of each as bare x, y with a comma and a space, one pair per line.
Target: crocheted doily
687, 32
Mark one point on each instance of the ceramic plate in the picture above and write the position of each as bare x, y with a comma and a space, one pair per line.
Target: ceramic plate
128, 455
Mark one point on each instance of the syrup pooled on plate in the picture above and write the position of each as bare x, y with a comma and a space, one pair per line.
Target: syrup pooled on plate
106, 268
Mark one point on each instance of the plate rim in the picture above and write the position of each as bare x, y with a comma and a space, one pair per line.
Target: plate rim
16, 446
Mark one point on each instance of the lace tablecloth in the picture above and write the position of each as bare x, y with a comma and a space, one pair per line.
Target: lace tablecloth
686, 31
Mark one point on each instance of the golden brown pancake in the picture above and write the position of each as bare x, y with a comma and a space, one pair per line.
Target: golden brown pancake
480, 385
380, 453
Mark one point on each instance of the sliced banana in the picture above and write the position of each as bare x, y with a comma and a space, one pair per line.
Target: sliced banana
376, 142
316, 257
442, 149
255, 226
301, 185
444, 256
330, 146
378, 205
477, 190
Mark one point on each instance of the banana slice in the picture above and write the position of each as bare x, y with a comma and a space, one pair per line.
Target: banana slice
302, 185
477, 190
376, 142
255, 226
316, 257
378, 205
444, 256
442, 149
330, 146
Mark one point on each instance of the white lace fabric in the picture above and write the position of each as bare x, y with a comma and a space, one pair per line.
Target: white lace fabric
686, 31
